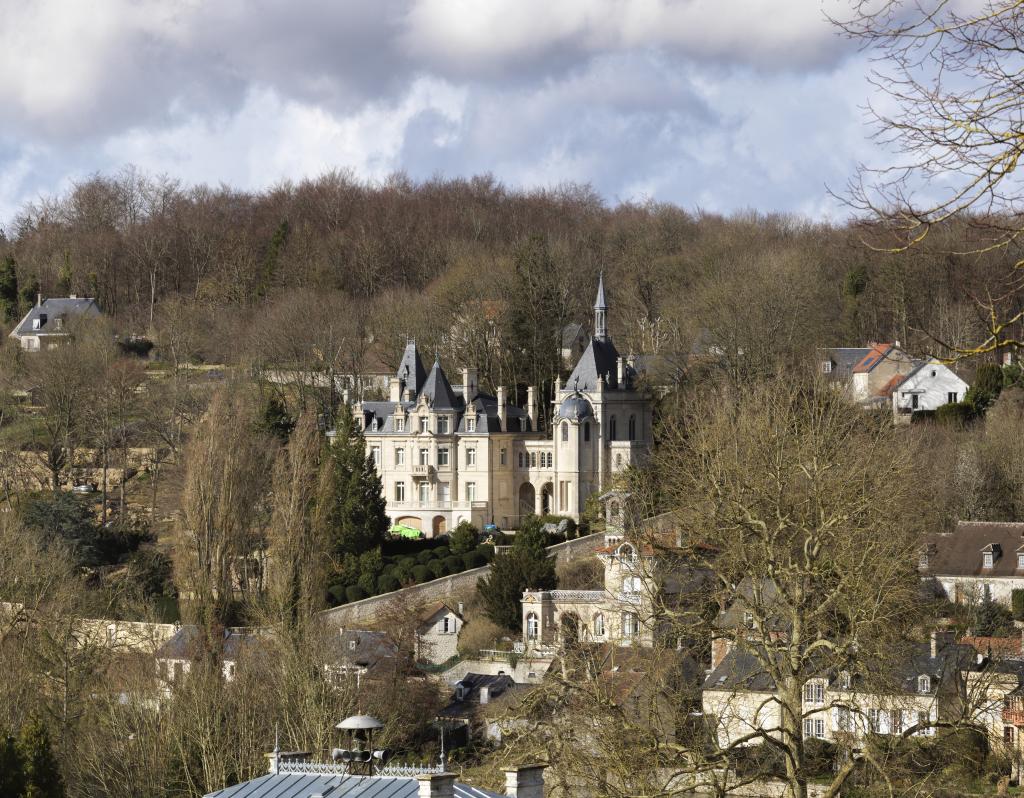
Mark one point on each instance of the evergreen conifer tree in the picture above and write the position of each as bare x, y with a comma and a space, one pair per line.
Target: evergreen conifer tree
8, 289
351, 500
42, 773
526, 567
12, 769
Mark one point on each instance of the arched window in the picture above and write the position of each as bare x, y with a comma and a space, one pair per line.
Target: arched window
612, 428
586, 432
532, 627
924, 684
533, 459
630, 624
565, 431
521, 459
632, 428
599, 625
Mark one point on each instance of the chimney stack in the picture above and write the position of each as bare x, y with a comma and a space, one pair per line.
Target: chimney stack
620, 371
469, 383
394, 390
436, 785
39, 300
525, 781
502, 399
531, 407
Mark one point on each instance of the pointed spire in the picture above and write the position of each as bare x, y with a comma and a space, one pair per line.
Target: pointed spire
601, 313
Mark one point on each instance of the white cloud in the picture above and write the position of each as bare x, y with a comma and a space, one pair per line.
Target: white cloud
470, 35
271, 138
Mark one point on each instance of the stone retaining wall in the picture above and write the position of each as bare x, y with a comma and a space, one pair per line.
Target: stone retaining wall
360, 613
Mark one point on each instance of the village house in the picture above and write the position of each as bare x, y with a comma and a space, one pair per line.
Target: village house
47, 324
175, 657
471, 698
437, 633
884, 375
447, 454
924, 686
980, 558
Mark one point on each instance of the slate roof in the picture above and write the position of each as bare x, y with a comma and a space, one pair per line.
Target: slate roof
844, 358
740, 670
439, 391
361, 648
184, 643
293, 785
600, 303
410, 369
435, 609
959, 553
53, 309
599, 359
466, 707
570, 334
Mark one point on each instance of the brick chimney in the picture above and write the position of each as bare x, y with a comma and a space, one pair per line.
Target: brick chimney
525, 781
531, 406
436, 785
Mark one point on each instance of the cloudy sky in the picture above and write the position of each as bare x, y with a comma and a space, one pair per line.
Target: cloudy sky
718, 104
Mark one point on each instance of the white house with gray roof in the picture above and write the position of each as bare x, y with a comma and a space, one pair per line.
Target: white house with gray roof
46, 324
448, 453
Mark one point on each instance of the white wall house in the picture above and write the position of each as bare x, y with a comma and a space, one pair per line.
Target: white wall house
928, 387
46, 325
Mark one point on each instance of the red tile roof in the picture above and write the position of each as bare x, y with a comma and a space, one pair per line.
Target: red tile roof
877, 354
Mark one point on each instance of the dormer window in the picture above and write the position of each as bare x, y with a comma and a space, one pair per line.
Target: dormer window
470, 423
399, 424
423, 424
924, 684
442, 425
990, 554
922, 561
987, 559
748, 619
826, 367
59, 322
844, 680
1020, 560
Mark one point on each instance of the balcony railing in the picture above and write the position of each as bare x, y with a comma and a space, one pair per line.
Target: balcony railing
422, 470
1013, 717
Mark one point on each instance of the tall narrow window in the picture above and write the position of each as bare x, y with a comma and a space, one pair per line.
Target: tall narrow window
423, 424
599, 625
632, 428
470, 491
424, 493
612, 429
565, 431
503, 457
521, 459
399, 424
470, 423
442, 457
399, 456
533, 459
586, 432
442, 425
532, 627
470, 457
444, 492
375, 455
399, 491
424, 456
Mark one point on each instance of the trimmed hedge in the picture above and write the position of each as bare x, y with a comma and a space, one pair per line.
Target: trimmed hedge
1017, 602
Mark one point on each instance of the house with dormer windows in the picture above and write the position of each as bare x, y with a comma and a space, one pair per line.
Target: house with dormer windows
48, 323
979, 558
448, 452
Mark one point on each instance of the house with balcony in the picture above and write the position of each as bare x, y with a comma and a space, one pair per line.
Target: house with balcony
625, 612
451, 453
